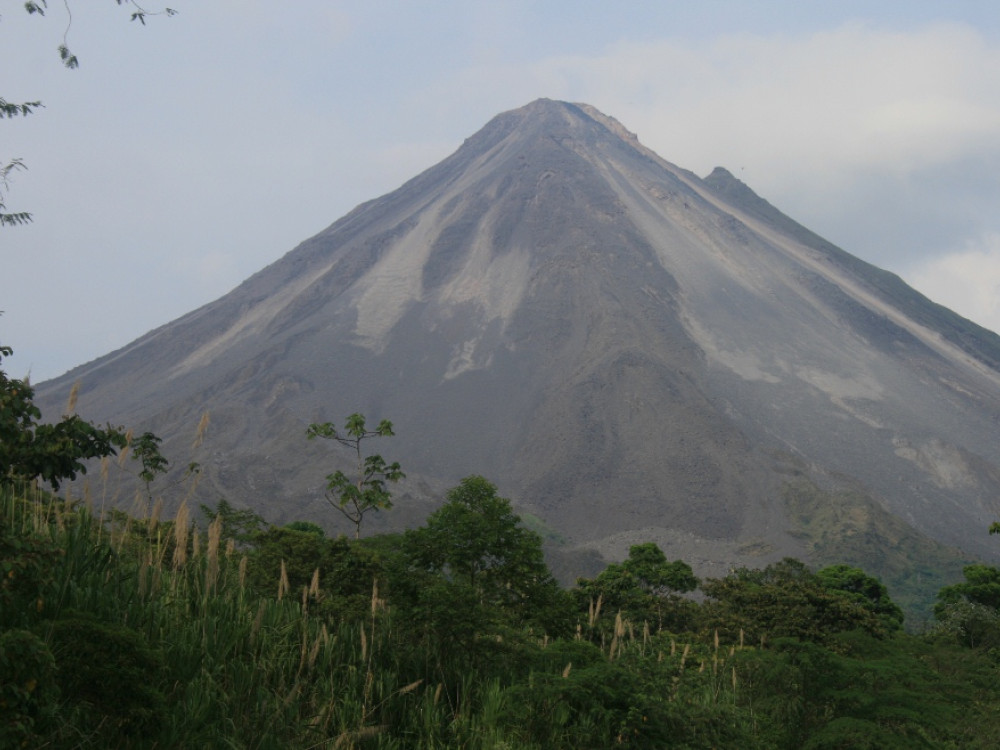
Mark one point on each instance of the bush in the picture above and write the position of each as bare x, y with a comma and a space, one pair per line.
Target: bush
110, 673
28, 691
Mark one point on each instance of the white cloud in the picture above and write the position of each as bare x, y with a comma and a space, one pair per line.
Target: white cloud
967, 281
826, 106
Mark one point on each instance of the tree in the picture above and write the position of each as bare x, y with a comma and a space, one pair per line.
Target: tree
367, 492
337, 574
477, 541
981, 586
29, 694
650, 567
19, 217
970, 611
306, 526
9, 110
785, 599
861, 588
644, 587
239, 525
111, 672
52, 452
146, 450
38, 7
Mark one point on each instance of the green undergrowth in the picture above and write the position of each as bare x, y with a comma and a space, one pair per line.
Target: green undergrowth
131, 632
849, 527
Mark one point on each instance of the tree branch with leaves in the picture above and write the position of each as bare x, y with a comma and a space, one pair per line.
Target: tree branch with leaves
9, 109
146, 450
367, 491
52, 452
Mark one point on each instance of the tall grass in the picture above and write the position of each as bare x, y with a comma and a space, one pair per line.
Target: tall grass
239, 669
159, 641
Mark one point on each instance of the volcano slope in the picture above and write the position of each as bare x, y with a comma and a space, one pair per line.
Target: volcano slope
631, 353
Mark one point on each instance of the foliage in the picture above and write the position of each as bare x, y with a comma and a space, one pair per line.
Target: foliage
783, 600
650, 567
863, 589
146, 450
367, 492
69, 60
27, 569
307, 526
969, 611
969, 624
52, 452
6, 170
478, 543
109, 672
981, 586
9, 110
850, 527
204, 653
28, 690
285, 561
133, 633
239, 525
860, 692
643, 588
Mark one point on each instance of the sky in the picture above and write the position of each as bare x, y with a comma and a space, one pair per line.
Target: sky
184, 155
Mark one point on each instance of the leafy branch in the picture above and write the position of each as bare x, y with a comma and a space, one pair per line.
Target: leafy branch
52, 452
146, 450
10, 219
367, 491
9, 109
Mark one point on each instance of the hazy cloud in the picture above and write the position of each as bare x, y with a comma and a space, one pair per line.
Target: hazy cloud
967, 280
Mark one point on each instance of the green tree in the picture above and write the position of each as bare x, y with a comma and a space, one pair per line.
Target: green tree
476, 541
6, 170
863, 589
53, 452
858, 691
970, 610
307, 526
367, 491
146, 450
657, 576
39, 7
288, 559
28, 690
785, 599
981, 586
112, 673
644, 587
239, 524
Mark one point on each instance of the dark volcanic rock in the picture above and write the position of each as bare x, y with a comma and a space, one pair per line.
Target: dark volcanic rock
630, 352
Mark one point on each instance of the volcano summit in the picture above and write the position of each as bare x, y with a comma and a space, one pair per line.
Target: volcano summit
630, 352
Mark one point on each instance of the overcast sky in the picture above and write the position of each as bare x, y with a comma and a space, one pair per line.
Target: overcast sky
185, 155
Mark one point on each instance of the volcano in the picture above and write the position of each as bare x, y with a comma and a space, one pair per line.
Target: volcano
630, 352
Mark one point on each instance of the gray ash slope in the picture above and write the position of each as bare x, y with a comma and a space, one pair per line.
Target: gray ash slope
629, 351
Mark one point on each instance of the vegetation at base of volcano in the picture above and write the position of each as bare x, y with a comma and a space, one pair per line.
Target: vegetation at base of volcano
143, 632
850, 526
132, 631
